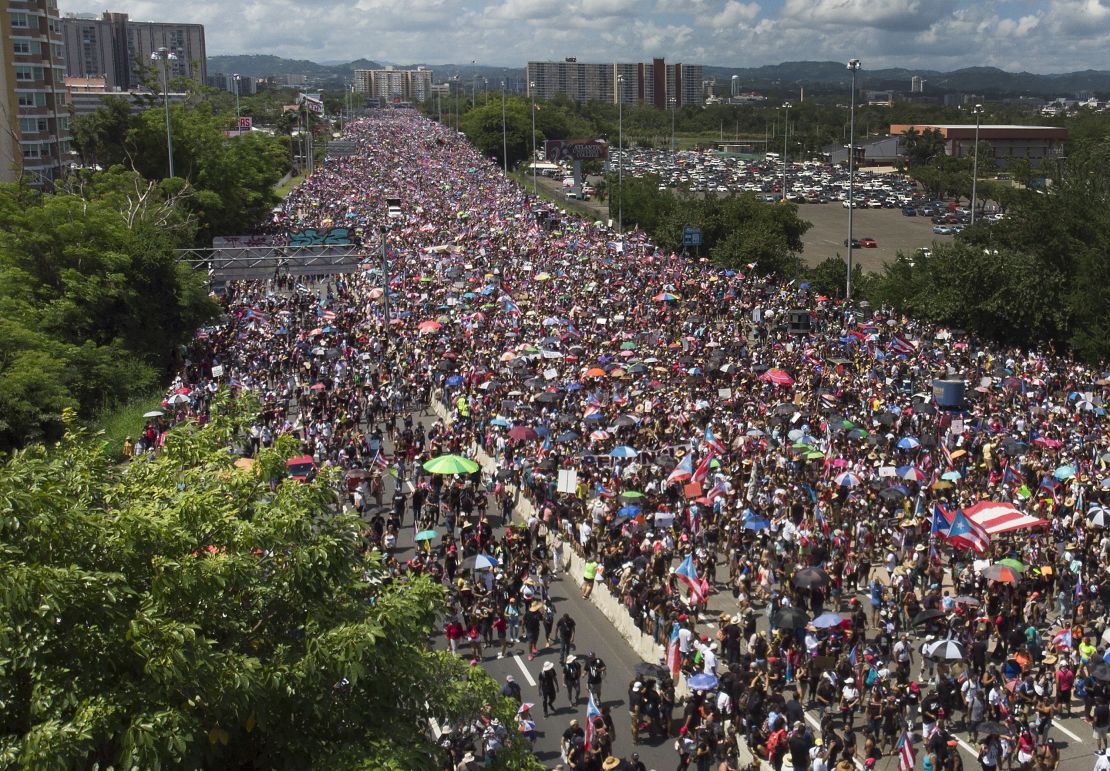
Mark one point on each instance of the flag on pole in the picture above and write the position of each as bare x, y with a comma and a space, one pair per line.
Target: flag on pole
965, 533
899, 344
712, 442
1079, 587
906, 755
701, 473
942, 521
381, 461
688, 574
592, 714
683, 470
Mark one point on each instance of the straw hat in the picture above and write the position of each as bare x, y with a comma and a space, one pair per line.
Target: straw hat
610, 763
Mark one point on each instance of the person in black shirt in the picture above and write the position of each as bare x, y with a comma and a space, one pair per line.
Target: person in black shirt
549, 687
572, 679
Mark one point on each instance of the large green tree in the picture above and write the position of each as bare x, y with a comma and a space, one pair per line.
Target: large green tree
183, 613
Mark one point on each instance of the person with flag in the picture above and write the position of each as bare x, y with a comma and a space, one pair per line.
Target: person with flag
688, 575
682, 471
965, 533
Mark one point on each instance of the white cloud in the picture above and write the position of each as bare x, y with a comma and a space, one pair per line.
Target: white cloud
887, 15
735, 13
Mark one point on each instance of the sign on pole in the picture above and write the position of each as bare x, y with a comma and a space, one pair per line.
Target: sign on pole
245, 122
574, 150
691, 236
568, 481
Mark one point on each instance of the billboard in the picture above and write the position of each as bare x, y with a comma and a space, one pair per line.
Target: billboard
245, 122
575, 150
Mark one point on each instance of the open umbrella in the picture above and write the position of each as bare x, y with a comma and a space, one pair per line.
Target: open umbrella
807, 578
1101, 672
908, 443
632, 494
789, 618
1098, 515
827, 620
153, 414
778, 377
522, 434
1012, 563
450, 464
847, 479
946, 650
702, 682
925, 616
624, 451
480, 562
1001, 573
647, 669
989, 727
426, 535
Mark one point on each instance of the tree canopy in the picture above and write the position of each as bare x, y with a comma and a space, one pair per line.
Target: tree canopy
183, 612
93, 304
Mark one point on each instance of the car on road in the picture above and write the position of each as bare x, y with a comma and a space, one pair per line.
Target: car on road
868, 243
942, 230
855, 243
301, 468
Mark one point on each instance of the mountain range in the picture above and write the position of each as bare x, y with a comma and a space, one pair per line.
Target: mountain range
817, 75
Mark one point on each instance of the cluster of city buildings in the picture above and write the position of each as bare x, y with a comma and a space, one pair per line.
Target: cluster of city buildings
655, 83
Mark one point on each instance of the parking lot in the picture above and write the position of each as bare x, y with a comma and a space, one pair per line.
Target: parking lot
892, 231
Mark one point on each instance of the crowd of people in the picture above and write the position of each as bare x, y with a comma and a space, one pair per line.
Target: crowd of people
792, 470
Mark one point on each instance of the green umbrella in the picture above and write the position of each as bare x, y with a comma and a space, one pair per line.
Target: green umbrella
801, 446
1012, 563
628, 346
426, 535
815, 455
450, 464
632, 494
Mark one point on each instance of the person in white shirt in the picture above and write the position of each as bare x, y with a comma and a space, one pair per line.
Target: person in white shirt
819, 757
709, 659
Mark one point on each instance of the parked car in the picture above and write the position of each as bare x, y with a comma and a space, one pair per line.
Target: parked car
909, 211
302, 468
868, 243
855, 243
942, 230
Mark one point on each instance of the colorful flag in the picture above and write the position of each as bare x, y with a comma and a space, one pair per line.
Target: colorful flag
380, 460
899, 344
712, 442
906, 755
942, 521
592, 714
1063, 638
967, 534
701, 473
1079, 586
853, 655
674, 655
688, 574
683, 470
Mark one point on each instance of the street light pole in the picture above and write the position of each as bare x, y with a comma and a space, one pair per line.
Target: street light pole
785, 134
238, 125
532, 92
164, 55
673, 104
620, 155
978, 111
853, 67
504, 134
385, 285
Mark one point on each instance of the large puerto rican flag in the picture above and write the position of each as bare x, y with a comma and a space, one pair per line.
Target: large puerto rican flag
688, 574
1001, 517
674, 655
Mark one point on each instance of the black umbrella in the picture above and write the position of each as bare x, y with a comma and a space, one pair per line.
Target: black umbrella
789, 618
946, 650
926, 616
807, 578
647, 669
625, 421
1101, 672
924, 408
504, 473
990, 727
548, 397
566, 436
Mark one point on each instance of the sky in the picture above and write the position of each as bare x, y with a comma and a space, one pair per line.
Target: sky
1041, 36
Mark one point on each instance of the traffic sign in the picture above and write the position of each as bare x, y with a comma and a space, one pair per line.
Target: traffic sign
691, 236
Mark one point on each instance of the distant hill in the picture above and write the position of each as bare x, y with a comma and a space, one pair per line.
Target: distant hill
826, 75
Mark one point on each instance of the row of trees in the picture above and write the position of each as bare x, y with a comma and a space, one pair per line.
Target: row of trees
183, 613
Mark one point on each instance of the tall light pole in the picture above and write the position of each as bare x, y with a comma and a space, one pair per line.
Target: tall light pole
785, 134
620, 154
238, 125
165, 55
853, 67
474, 85
978, 112
504, 134
672, 102
532, 93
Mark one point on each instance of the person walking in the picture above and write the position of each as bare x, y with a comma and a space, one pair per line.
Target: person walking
589, 573
564, 631
572, 679
595, 673
549, 687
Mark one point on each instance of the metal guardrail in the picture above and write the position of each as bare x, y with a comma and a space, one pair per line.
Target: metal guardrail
236, 262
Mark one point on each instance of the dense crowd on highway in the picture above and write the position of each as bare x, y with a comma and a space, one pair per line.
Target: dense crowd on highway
779, 497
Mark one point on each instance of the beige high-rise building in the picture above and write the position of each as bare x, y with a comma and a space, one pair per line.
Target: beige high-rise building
392, 85
36, 135
654, 82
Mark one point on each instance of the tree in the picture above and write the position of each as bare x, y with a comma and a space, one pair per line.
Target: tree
181, 612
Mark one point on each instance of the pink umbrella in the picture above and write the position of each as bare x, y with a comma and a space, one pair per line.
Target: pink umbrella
778, 377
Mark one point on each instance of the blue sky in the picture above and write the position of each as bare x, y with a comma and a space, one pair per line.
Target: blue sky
1033, 35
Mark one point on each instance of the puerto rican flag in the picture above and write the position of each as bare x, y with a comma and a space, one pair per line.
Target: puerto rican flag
906, 755
381, 461
605, 492
899, 344
592, 714
683, 470
701, 473
688, 574
674, 655
712, 442
967, 534
1063, 639
327, 315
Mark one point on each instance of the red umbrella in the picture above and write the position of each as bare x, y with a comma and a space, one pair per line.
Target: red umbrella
778, 377
522, 434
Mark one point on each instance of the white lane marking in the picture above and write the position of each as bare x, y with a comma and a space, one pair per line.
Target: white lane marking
974, 752
816, 724
1066, 732
524, 669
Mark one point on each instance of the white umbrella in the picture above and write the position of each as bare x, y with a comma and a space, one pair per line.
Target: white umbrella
179, 399
153, 414
946, 650
1098, 515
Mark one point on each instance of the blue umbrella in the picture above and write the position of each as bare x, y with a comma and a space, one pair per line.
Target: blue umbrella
542, 431
500, 422
1064, 472
756, 524
624, 451
827, 620
454, 380
702, 682
628, 510
951, 476
908, 443
567, 436
574, 386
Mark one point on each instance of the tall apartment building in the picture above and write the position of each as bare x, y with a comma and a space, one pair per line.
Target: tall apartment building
391, 85
247, 86
654, 82
119, 50
36, 141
